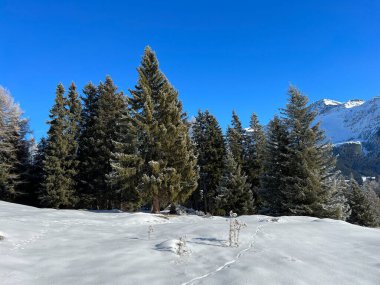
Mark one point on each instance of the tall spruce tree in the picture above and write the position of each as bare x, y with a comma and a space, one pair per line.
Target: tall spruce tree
254, 152
210, 146
14, 148
126, 163
311, 162
57, 189
109, 107
235, 139
276, 168
86, 153
74, 109
234, 191
169, 170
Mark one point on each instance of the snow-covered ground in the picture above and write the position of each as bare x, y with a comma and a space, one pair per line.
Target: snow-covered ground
45, 246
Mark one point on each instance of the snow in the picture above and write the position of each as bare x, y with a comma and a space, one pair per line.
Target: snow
355, 120
353, 103
46, 246
348, 142
330, 102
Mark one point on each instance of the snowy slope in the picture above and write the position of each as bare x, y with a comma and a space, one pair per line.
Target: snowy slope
355, 120
45, 246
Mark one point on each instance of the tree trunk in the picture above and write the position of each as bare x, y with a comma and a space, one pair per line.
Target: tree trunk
156, 205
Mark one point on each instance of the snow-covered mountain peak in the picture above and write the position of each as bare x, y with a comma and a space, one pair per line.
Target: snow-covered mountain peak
354, 120
353, 103
329, 102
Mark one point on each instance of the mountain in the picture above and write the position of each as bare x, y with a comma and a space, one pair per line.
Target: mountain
354, 129
355, 120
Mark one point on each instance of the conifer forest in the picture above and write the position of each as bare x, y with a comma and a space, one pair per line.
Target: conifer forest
139, 151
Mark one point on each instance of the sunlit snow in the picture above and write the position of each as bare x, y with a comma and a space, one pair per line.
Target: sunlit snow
45, 246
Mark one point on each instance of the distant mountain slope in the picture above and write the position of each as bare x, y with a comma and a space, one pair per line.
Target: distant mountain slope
354, 129
355, 120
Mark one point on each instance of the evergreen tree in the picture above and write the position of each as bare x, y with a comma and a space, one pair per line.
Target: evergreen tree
37, 176
337, 206
311, 162
109, 107
235, 139
169, 170
126, 163
276, 168
210, 146
234, 191
57, 188
14, 148
86, 153
74, 109
365, 205
254, 152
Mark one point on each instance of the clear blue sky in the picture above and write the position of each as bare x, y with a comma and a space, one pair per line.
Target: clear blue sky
220, 55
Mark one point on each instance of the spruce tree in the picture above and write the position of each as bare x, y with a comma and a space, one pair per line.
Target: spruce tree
254, 152
234, 191
109, 107
74, 109
126, 163
210, 148
86, 153
169, 170
276, 168
57, 190
235, 139
14, 148
337, 206
311, 162
37, 176
365, 205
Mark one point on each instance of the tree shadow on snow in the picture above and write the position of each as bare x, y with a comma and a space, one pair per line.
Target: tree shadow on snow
209, 241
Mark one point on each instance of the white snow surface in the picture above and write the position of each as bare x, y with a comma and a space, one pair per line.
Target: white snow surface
355, 120
46, 246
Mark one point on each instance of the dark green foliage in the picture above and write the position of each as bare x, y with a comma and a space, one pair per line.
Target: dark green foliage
235, 139
210, 146
101, 115
57, 189
276, 168
86, 152
234, 191
365, 205
37, 173
126, 163
254, 155
14, 149
169, 170
74, 109
310, 159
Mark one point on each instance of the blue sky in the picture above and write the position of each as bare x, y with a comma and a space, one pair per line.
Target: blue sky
220, 55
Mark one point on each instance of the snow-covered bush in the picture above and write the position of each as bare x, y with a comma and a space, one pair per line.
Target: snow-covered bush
235, 227
150, 231
182, 248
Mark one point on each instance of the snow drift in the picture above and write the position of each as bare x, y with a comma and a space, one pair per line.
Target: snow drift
46, 246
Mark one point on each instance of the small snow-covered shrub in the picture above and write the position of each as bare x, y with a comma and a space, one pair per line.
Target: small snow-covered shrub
2, 238
150, 231
182, 248
235, 227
